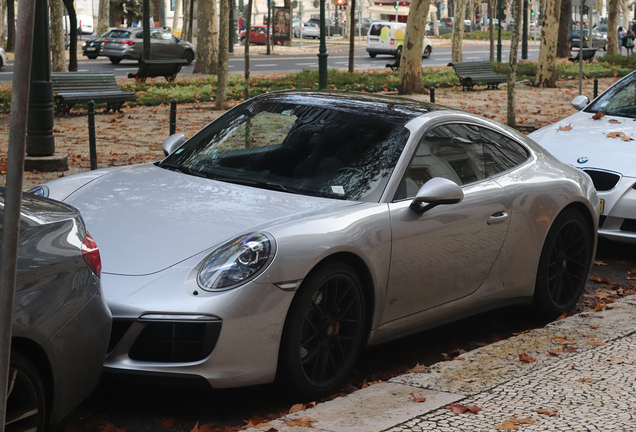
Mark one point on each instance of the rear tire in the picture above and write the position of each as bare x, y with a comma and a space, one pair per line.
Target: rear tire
372, 55
427, 52
323, 330
564, 264
26, 402
92, 57
114, 60
188, 56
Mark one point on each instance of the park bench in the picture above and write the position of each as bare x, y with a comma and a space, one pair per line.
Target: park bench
396, 65
157, 68
70, 88
479, 72
588, 55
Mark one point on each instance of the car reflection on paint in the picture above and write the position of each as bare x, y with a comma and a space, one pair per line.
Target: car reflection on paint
299, 227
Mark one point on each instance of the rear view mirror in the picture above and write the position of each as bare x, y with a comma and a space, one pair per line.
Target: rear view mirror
172, 143
580, 102
434, 192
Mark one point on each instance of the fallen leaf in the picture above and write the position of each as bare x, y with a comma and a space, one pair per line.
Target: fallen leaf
593, 327
562, 316
570, 349
614, 121
303, 422
512, 424
599, 306
626, 138
526, 358
596, 343
418, 368
461, 409
296, 408
595, 278
606, 281
598, 116
417, 399
555, 353
565, 128
600, 263
614, 135
589, 336
548, 411
585, 380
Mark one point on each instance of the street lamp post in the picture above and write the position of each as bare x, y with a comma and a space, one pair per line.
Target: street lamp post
499, 18
322, 51
524, 41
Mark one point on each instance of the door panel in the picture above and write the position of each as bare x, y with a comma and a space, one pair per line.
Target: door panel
447, 252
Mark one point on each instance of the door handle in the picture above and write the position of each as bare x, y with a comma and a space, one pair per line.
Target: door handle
498, 217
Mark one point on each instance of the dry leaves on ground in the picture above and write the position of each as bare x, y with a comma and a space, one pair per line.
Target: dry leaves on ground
548, 411
302, 422
599, 115
600, 263
618, 361
565, 128
514, 424
418, 368
526, 358
585, 380
166, 422
597, 343
461, 409
417, 399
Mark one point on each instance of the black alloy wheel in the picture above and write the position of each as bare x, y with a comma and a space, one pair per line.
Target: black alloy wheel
324, 329
564, 265
188, 56
26, 397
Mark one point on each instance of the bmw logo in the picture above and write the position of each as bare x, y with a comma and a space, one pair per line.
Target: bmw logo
582, 160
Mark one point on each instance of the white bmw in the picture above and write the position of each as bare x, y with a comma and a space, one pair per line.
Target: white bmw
601, 140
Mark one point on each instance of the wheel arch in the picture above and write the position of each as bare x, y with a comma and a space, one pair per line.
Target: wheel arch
40, 360
587, 214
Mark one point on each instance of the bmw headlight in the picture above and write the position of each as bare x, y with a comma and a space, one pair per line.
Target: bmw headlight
234, 263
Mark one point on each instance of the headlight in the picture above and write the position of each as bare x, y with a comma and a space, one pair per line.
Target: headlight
235, 262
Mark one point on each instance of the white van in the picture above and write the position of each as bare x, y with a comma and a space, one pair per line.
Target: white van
386, 37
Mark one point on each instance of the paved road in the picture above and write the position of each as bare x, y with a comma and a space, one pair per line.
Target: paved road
338, 58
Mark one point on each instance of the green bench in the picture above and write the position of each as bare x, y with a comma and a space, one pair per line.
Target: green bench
479, 72
70, 88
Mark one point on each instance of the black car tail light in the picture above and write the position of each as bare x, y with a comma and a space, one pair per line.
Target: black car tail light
90, 253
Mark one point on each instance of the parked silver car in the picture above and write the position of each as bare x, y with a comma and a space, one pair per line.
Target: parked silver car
299, 227
61, 323
128, 44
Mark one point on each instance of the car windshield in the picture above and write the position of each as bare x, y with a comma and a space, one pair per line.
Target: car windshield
619, 100
119, 34
296, 148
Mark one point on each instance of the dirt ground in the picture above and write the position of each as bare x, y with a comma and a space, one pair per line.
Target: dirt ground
135, 136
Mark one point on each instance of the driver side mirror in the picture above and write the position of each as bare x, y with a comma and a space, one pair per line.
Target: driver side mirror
434, 192
172, 143
580, 102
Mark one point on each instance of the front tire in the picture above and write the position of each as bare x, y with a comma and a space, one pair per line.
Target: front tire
323, 331
114, 60
372, 55
427, 52
564, 264
26, 402
188, 56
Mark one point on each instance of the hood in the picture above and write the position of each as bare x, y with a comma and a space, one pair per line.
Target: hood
145, 218
588, 139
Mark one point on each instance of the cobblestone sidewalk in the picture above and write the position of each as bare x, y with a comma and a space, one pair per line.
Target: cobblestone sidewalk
579, 375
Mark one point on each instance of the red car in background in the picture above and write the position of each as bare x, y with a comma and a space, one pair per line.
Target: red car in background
257, 35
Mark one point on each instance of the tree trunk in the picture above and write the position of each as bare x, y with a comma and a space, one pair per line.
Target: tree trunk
103, 16
563, 44
546, 69
491, 12
58, 56
3, 10
512, 63
207, 38
612, 23
435, 26
626, 10
224, 45
458, 30
10, 26
248, 20
352, 35
72, 48
185, 32
177, 14
411, 62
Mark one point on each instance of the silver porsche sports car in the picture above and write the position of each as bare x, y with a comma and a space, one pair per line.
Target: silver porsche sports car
298, 227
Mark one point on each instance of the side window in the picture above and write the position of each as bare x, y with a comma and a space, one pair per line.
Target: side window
462, 153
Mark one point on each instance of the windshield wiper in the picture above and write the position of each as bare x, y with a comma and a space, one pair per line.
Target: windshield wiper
184, 169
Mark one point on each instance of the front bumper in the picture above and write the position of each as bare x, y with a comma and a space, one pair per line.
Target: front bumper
229, 338
618, 220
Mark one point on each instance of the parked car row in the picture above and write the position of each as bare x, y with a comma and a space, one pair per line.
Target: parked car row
127, 43
329, 210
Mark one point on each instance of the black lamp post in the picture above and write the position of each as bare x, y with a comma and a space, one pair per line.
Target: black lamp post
322, 51
499, 18
526, 22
